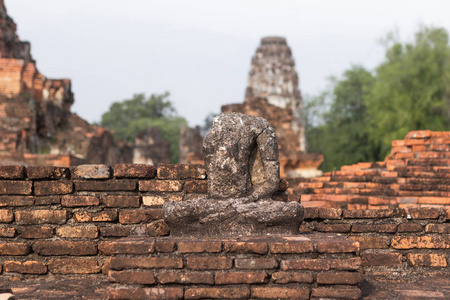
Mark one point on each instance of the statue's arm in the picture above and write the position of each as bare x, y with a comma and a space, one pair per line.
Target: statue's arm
268, 148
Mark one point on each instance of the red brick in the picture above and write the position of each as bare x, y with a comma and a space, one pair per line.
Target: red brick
75, 248
196, 186
101, 216
330, 213
74, 266
415, 142
398, 143
12, 172
423, 213
401, 149
381, 259
139, 216
421, 242
27, 267
47, 200
7, 232
371, 214
127, 246
91, 172
14, 248
241, 292
311, 185
378, 201
409, 227
16, 201
256, 263
10, 187
339, 278
35, 232
36, 217
311, 213
76, 201
156, 200
143, 171
280, 292
131, 277
443, 228
427, 259
435, 200
89, 232
386, 228
209, 263
160, 186
155, 229
106, 186
6, 216
181, 171
287, 277
199, 246
447, 213
292, 247
121, 263
164, 246
246, 247
371, 242
57, 187
337, 246
115, 231
321, 264
336, 293
121, 201
186, 277
240, 277
47, 172
145, 293
333, 227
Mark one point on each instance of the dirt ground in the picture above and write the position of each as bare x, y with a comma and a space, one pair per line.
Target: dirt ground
418, 287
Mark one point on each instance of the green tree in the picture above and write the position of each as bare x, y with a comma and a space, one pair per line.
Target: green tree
361, 114
412, 88
340, 131
126, 118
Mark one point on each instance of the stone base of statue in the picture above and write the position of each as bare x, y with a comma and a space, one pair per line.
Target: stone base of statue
241, 160
233, 217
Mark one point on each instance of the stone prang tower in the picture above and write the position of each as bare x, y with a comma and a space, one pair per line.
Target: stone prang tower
273, 77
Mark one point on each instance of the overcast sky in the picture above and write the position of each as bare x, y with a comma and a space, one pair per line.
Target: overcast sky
200, 51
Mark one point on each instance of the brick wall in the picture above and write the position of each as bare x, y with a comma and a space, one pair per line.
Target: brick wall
408, 240
64, 222
415, 174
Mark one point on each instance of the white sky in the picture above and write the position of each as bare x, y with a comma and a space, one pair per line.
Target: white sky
200, 51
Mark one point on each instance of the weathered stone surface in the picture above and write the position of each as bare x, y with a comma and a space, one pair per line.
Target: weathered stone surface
47, 172
241, 159
134, 171
91, 172
12, 172
27, 267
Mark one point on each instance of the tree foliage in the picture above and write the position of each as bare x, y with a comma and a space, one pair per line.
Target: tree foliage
361, 114
126, 118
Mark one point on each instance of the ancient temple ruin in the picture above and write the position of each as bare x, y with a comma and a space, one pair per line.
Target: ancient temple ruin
37, 126
273, 93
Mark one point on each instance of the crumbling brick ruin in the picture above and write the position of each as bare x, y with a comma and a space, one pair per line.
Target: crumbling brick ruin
150, 148
105, 224
273, 94
36, 125
415, 174
191, 145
